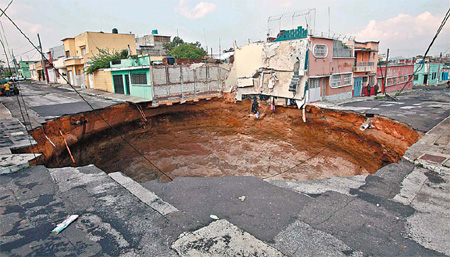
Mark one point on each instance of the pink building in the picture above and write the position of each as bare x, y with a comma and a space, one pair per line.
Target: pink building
397, 76
330, 70
365, 67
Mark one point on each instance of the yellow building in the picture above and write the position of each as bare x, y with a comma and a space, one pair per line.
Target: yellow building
80, 49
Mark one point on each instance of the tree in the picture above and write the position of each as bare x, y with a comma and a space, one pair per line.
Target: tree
176, 41
103, 58
188, 51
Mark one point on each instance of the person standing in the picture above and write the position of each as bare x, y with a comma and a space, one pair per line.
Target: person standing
7, 89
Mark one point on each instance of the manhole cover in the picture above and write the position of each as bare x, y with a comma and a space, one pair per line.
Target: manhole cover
433, 158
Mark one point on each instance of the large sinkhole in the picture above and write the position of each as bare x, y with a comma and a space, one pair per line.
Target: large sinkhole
214, 138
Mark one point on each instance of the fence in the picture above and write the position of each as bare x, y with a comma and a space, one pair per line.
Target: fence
186, 82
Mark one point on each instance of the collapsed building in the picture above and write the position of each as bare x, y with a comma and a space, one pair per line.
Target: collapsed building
297, 68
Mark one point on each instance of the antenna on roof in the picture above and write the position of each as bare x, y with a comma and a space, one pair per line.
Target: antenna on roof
329, 22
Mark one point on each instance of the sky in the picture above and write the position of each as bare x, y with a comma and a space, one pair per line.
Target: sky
406, 27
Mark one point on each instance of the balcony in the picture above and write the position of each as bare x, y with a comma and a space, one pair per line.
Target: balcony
365, 67
74, 60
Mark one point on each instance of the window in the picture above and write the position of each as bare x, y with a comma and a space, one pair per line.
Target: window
416, 77
364, 79
433, 76
315, 83
83, 51
139, 79
67, 54
372, 80
336, 80
320, 51
348, 79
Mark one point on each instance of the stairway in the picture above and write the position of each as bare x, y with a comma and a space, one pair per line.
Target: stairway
294, 82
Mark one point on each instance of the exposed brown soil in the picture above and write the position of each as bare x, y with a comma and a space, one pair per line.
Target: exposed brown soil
214, 138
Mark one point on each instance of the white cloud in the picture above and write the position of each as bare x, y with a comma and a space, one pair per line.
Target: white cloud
199, 11
405, 32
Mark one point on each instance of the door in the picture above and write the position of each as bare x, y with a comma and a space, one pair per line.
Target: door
91, 81
357, 87
314, 90
118, 84
70, 77
127, 84
425, 79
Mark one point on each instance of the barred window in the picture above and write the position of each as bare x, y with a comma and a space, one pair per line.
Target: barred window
139, 79
315, 83
320, 51
336, 80
348, 79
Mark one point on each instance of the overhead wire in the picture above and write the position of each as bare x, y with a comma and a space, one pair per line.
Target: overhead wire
444, 21
340, 137
81, 96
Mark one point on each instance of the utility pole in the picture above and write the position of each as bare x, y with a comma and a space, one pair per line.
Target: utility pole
439, 68
44, 70
386, 72
14, 62
329, 22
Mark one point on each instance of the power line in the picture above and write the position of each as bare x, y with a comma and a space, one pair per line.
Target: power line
334, 142
26, 52
79, 94
444, 20
320, 151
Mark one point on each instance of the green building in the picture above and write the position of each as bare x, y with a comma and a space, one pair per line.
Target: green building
428, 73
132, 77
24, 69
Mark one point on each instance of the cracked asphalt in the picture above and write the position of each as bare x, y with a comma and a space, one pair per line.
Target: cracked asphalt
401, 210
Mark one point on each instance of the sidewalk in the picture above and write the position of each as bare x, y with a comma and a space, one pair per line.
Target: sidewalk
98, 93
401, 210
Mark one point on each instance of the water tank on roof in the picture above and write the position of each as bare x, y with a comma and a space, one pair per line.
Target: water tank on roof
115, 31
155, 32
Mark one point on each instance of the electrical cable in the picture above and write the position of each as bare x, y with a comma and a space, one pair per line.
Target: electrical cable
446, 17
26, 52
334, 142
320, 151
89, 104
20, 106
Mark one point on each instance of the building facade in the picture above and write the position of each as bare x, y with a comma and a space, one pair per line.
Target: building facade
365, 67
330, 70
301, 67
80, 49
58, 67
132, 77
24, 69
399, 76
152, 45
427, 73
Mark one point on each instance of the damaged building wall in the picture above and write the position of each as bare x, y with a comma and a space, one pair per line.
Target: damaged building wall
277, 69
187, 82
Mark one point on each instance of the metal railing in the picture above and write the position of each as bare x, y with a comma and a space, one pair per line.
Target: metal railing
365, 64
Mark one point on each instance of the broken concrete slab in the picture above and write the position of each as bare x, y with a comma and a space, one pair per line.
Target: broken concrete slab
300, 239
221, 238
146, 196
266, 210
342, 185
14, 162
